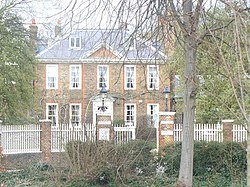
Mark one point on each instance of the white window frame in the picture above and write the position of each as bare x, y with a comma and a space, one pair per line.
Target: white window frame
79, 115
106, 77
155, 77
79, 77
48, 116
74, 39
130, 122
51, 72
126, 77
153, 118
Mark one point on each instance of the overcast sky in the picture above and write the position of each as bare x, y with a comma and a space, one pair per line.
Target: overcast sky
78, 14
85, 14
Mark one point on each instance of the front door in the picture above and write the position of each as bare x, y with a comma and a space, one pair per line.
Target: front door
98, 108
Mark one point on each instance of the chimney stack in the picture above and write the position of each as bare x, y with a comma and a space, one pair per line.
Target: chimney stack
33, 34
58, 29
123, 25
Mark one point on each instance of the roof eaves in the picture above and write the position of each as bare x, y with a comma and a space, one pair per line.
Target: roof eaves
111, 61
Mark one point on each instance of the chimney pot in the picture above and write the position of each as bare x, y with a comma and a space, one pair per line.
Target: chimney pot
33, 34
33, 21
58, 29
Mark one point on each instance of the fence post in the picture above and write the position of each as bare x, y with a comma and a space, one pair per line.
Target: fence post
45, 140
1, 146
2, 168
1, 135
227, 130
165, 129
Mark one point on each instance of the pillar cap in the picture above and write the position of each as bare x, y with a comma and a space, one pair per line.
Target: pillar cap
167, 113
227, 121
44, 120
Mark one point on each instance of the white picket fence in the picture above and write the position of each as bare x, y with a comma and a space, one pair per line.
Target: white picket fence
239, 133
62, 134
16, 139
20, 138
122, 134
211, 132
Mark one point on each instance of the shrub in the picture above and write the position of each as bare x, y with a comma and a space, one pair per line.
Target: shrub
135, 157
210, 158
103, 162
228, 159
171, 158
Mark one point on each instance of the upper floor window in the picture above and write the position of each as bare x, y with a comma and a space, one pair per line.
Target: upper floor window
51, 76
152, 112
75, 77
153, 77
75, 42
178, 87
52, 113
130, 114
130, 77
75, 114
102, 76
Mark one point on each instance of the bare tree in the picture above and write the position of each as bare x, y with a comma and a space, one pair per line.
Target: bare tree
232, 47
187, 21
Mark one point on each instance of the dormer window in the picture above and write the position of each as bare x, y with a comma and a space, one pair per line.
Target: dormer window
75, 42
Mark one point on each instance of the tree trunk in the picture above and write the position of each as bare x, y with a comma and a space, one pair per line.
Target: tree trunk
190, 89
186, 165
248, 154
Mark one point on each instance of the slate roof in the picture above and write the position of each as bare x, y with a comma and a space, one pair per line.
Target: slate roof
117, 41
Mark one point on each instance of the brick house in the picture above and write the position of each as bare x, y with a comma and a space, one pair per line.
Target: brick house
72, 72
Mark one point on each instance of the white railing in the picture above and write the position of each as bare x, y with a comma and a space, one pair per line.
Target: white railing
63, 134
202, 132
17, 139
123, 133
177, 132
239, 133
208, 132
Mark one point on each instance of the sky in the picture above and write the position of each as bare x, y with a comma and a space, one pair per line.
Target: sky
86, 14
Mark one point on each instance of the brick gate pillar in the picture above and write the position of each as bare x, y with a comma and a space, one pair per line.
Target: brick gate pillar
227, 130
165, 129
45, 140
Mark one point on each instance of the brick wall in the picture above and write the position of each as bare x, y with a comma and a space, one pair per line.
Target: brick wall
141, 96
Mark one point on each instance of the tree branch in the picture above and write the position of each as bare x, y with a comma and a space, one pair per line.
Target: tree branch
176, 15
196, 14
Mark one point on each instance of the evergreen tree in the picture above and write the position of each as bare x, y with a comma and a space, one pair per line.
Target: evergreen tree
16, 72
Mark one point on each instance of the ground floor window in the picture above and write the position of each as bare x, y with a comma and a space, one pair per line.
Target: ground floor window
152, 112
75, 114
130, 114
52, 113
